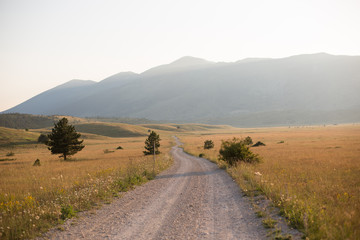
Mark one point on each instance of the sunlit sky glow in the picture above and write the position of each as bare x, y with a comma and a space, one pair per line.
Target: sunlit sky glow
44, 43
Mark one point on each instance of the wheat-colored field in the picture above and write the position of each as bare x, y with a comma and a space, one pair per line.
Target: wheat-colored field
311, 173
34, 198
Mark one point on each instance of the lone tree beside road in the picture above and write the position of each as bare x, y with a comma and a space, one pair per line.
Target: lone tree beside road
149, 144
64, 139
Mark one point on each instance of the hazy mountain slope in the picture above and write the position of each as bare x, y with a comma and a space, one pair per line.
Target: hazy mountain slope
61, 99
48, 102
192, 89
183, 64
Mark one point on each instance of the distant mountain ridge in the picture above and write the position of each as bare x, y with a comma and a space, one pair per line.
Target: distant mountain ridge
303, 89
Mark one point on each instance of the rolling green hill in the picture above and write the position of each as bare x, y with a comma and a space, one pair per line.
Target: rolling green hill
112, 129
10, 136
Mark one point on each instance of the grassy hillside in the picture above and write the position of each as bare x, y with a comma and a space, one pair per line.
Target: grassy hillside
162, 127
112, 129
201, 127
184, 127
119, 130
30, 121
122, 120
10, 136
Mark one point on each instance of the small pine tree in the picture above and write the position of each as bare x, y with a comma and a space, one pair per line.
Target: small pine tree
64, 139
149, 144
208, 144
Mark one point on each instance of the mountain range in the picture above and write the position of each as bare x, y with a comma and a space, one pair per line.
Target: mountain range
304, 89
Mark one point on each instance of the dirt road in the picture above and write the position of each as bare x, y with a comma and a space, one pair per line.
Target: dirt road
191, 200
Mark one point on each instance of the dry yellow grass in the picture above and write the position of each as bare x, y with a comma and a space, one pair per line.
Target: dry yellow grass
32, 198
311, 173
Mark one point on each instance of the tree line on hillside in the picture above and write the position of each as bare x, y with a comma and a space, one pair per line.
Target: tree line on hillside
25, 121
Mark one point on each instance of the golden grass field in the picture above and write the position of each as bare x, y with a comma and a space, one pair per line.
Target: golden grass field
311, 173
33, 199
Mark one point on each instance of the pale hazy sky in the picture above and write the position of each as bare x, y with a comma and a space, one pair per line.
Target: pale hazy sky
44, 43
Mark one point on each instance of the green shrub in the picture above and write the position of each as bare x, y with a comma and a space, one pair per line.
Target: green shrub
67, 211
269, 222
260, 214
258, 144
236, 150
9, 154
37, 162
148, 175
248, 140
128, 183
208, 144
108, 151
201, 155
119, 147
43, 138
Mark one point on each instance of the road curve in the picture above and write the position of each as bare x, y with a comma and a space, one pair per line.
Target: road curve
193, 199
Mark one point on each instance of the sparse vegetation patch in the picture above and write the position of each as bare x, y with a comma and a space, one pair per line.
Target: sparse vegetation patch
269, 222
108, 151
10, 154
7, 159
258, 144
67, 211
37, 163
208, 144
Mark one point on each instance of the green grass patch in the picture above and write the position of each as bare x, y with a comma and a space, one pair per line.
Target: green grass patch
111, 129
269, 222
67, 211
9, 136
7, 159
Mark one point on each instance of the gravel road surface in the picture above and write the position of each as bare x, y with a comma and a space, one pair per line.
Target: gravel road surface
193, 199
